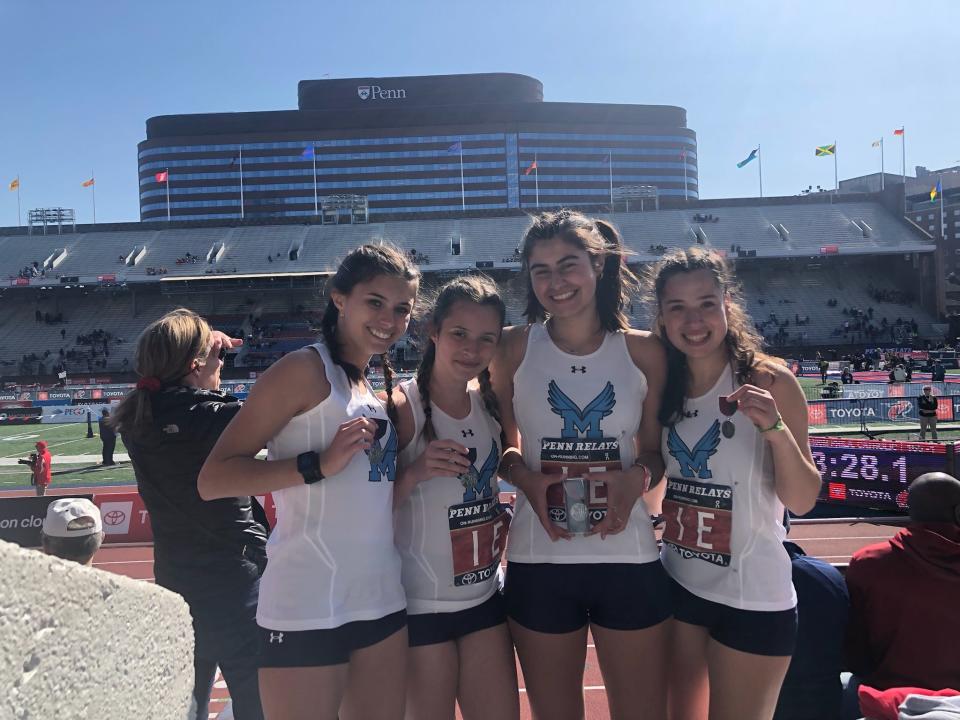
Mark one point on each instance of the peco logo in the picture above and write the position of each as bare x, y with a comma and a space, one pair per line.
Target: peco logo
375, 92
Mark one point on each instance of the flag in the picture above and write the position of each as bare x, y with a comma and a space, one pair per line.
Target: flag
876, 143
751, 156
825, 150
683, 154
936, 190
87, 183
308, 153
162, 176
533, 166
15, 183
234, 161
607, 158
456, 147
898, 131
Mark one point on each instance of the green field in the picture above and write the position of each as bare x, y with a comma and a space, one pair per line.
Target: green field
68, 439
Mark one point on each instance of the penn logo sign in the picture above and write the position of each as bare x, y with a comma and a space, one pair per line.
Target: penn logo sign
375, 92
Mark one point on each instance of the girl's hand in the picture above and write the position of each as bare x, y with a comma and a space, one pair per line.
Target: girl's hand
757, 404
624, 488
534, 486
441, 458
352, 437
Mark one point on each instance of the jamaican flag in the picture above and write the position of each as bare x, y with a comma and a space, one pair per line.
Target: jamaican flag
824, 150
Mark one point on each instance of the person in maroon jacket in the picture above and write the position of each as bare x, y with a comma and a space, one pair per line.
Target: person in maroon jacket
40, 470
904, 594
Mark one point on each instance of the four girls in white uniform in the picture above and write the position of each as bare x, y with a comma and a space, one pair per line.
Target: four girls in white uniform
381, 596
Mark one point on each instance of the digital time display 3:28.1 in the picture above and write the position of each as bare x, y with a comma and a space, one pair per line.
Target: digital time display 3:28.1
873, 477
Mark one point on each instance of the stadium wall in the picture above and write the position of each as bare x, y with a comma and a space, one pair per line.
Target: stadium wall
83, 643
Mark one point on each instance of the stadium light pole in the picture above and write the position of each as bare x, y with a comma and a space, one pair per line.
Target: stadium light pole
760, 169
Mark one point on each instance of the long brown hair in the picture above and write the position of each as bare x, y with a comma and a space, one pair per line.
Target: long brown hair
744, 344
165, 350
601, 241
476, 289
360, 266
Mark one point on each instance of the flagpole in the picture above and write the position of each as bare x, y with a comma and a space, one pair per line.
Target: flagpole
316, 205
463, 190
903, 151
94, 196
760, 169
940, 185
836, 180
610, 164
881, 164
167, 171
19, 221
536, 178
241, 183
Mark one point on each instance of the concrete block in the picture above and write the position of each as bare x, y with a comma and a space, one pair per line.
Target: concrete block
79, 643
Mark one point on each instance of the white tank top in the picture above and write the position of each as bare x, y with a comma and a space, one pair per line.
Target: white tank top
578, 413
331, 555
724, 532
451, 531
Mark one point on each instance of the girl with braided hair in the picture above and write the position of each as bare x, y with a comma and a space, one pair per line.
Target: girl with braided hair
450, 526
332, 619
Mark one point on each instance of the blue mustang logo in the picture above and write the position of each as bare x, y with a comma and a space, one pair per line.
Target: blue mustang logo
586, 421
476, 485
694, 464
383, 457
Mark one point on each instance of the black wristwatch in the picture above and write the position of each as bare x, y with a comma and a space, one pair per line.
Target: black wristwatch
308, 464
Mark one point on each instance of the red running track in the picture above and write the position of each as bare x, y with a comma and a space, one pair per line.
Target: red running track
834, 542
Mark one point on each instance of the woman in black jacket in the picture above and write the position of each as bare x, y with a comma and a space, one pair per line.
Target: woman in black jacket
211, 553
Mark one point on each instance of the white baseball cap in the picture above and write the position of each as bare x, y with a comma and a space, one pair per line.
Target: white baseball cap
72, 517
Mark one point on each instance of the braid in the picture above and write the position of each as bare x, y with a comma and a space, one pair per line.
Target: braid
328, 328
388, 386
424, 371
491, 404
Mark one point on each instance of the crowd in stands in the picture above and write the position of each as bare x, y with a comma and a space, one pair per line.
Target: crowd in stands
33, 270
418, 257
156, 271
189, 259
891, 295
705, 218
658, 249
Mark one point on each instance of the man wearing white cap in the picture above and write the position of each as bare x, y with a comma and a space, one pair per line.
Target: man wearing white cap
72, 530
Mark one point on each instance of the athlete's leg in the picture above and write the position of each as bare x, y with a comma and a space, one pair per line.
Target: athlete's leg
633, 670
303, 693
552, 667
688, 686
743, 686
487, 688
432, 681
377, 681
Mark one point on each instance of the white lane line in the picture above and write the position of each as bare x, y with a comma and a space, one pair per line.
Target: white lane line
585, 687
851, 537
120, 562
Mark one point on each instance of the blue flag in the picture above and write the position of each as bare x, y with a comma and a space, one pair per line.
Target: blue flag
308, 153
751, 156
456, 147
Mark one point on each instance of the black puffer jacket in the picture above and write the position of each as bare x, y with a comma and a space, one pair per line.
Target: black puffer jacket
188, 532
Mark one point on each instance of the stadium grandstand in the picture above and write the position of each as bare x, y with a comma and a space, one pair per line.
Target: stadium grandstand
815, 274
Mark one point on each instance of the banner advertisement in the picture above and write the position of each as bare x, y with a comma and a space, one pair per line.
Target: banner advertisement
57, 414
881, 390
19, 416
877, 410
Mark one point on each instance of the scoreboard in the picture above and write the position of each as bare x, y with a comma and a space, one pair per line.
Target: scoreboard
875, 473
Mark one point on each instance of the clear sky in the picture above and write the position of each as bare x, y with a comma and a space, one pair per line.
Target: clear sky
81, 78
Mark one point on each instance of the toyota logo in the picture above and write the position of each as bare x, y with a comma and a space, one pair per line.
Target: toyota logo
470, 578
114, 517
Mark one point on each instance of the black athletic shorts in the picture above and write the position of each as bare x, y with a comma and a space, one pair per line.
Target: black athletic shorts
439, 627
555, 598
760, 632
317, 648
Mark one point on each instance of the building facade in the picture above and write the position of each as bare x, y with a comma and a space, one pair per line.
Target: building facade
413, 146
